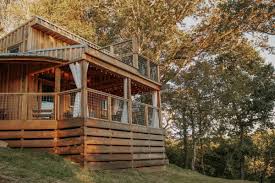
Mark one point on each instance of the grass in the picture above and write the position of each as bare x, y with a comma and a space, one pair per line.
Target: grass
38, 167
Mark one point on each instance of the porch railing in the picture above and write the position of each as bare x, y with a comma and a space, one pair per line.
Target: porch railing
125, 52
27, 106
68, 105
66, 53
106, 106
10, 106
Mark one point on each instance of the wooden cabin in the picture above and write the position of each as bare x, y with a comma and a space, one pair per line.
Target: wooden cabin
98, 106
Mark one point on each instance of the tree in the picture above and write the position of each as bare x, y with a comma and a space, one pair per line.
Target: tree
246, 91
225, 95
13, 13
260, 163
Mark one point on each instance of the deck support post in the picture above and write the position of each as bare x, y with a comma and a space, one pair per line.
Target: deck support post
135, 52
57, 87
84, 92
124, 117
155, 104
25, 96
84, 106
146, 115
159, 106
148, 69
109, 108
129, 100
158, 74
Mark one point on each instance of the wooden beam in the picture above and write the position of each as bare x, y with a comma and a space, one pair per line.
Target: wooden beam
57, 88
135, 51
57, 85
109, 111
84, 101
129, 92
29, 59
124, 70
159, 106
148, 68
146, 115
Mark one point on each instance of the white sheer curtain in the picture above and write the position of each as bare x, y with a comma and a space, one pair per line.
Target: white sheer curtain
77, 73
115, 103
124, 117
155, 117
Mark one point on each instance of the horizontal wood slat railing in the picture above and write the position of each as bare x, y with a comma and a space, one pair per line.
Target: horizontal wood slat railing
66, 105
70, 53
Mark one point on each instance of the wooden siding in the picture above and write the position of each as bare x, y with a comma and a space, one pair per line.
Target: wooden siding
11, 77
42, 40
37, 135
70, 140
93, 143
17, 37
27, 37
110, 145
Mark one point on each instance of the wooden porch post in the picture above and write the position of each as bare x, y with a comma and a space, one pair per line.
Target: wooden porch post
57, 87
84, 91
159, 106
25, 101
148, 69
158, 73
129, 100
155, 102
135, 52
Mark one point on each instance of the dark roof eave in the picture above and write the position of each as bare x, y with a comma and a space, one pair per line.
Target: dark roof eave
31, 58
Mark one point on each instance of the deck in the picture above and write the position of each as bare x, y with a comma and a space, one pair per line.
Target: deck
100, 141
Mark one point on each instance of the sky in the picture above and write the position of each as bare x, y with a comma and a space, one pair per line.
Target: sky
270, 58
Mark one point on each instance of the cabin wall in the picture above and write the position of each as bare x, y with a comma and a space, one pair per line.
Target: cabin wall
12, 78
41, 40
29, 38
17, 37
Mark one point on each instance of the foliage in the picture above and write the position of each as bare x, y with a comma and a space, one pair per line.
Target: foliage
227, 95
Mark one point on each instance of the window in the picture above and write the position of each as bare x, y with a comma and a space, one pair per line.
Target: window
13, 49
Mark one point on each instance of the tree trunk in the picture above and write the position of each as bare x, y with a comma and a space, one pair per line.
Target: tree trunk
194, 153
242, 159
268, 158
193, 167
202, 160
200, 141
185, 144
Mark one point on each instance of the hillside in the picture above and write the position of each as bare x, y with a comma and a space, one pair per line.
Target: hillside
29, 167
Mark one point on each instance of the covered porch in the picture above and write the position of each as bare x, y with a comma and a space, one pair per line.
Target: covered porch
80, 89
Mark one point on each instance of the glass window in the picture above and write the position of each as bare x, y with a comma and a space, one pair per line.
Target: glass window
14, 49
